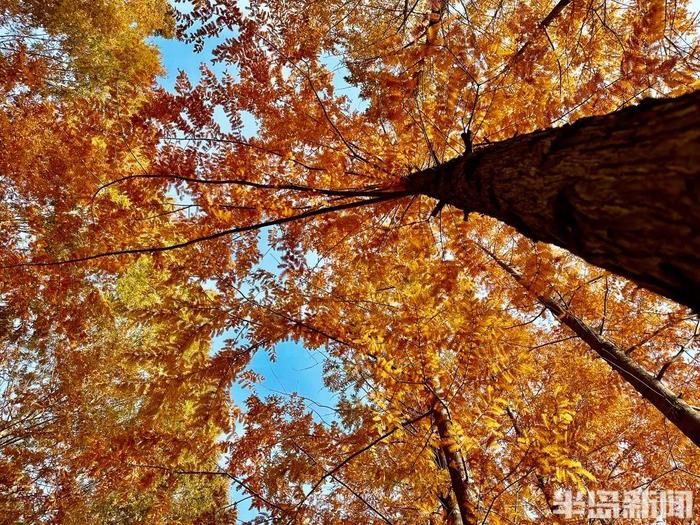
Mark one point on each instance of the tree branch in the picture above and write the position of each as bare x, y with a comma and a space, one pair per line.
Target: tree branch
212, 236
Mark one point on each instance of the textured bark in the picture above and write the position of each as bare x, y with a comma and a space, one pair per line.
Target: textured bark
685, 417
449, 503
454, 466
448, 500
621, 190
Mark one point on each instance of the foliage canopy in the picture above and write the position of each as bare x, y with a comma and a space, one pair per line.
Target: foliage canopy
130, 227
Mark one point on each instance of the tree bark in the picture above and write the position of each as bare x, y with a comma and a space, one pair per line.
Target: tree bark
449, 503
621, 190
685, 417
454, 465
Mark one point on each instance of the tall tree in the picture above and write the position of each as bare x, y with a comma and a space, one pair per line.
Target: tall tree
617, 190
584, 187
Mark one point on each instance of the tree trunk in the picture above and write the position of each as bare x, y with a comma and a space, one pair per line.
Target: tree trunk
454, 465
621, 190
685, 417
449, 503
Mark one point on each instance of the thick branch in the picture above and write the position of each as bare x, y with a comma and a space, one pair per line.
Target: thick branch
452, 457
212, 236
671, 405
619, 190
350, 192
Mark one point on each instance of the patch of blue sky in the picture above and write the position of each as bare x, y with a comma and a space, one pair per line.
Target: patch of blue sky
179, 56
341, 73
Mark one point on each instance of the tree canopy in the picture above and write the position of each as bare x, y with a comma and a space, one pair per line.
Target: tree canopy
473, 369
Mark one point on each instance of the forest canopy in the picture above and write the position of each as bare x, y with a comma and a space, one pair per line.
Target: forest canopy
480, 216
